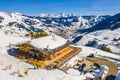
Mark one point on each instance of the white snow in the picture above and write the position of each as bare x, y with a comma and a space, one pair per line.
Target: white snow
106, 55
5, 40
41, 74
49, 42
103, 37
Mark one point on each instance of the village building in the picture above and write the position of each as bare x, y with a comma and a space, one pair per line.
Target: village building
48, 51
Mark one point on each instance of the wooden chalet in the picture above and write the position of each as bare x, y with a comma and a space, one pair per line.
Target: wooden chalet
45, 56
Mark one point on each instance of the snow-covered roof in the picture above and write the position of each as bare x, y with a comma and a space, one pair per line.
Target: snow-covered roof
48, 42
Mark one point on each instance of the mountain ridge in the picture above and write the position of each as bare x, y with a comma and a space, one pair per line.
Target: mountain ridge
17, 22
111, 23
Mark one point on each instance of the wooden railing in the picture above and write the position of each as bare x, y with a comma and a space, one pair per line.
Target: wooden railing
63, 51
68, 56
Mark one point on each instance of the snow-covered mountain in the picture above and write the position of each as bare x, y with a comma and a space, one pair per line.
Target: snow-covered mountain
68, 26
110, 23
106, 30
110, 38
16, 23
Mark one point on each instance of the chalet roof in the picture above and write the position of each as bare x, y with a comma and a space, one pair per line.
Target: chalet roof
48, 42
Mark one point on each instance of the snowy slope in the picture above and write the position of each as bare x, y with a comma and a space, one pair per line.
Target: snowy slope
69, 25
16, 23
89, 50
108, 37
41, 74
5, 40
106, 32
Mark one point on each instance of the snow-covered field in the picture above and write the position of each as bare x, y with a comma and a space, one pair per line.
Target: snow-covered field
39, 74
89, 50
7, 60
5, 40
103, 37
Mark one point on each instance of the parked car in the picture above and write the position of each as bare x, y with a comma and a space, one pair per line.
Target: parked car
81, 68
91, 55
102, 72
11, 50
110, 77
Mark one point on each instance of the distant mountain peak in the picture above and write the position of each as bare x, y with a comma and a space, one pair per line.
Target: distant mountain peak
18, 23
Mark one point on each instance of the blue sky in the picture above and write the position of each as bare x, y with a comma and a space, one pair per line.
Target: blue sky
78, 7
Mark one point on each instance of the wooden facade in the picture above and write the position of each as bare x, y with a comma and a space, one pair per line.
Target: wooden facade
37, 56
33, 51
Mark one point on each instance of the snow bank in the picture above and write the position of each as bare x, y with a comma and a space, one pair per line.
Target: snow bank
89, 50
33, 74
5, 40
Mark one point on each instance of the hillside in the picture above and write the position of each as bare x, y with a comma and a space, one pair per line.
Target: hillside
111, 23
19, 24
41, 74
107, 37
105, 32
68, 26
